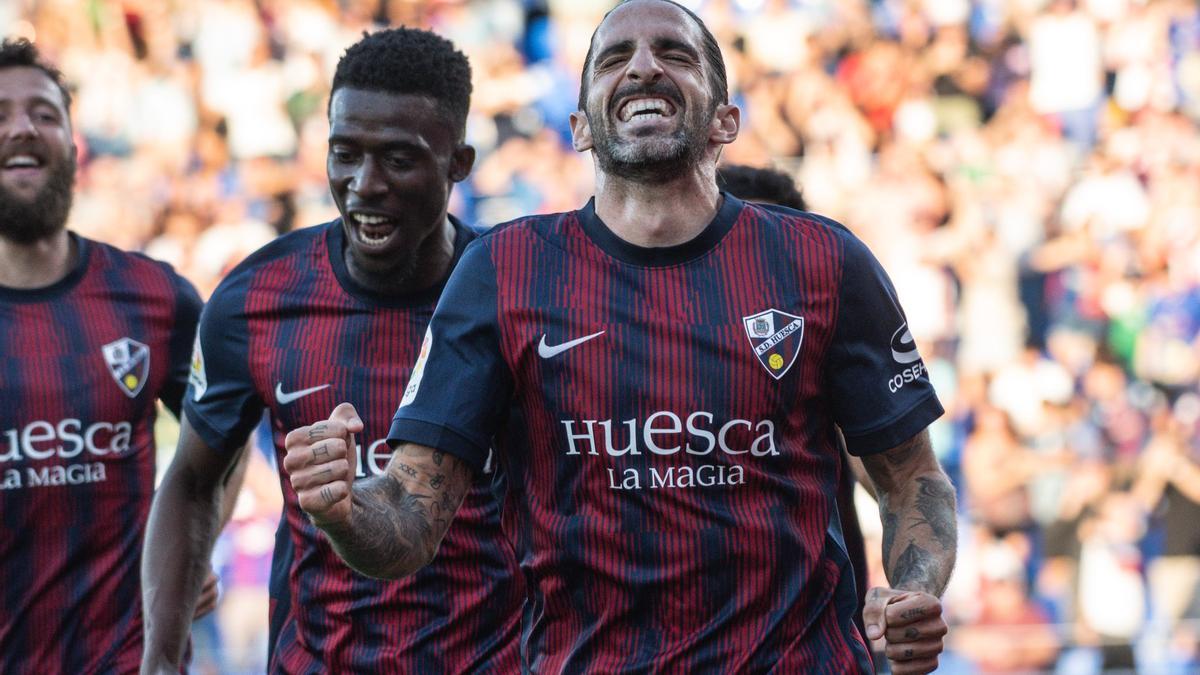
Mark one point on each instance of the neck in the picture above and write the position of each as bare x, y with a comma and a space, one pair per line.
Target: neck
425, 266
42, 263
659, 215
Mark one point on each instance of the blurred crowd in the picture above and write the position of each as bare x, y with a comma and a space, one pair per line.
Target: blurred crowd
1028, 171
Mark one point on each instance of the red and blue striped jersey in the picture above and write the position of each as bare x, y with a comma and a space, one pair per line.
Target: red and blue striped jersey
290, 331
81, 364
665, 419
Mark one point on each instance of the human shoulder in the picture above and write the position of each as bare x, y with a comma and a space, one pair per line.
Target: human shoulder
548, 226
286, 250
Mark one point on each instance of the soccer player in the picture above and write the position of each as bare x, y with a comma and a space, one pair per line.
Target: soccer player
90, 338
662, 373
331, 313
769, 186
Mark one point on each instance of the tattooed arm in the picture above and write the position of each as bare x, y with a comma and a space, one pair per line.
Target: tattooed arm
917, 507
388, 526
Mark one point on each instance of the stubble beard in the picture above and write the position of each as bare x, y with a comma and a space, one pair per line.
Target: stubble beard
653, 160
30, 221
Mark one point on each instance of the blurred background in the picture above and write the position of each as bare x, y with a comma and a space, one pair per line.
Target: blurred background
1027, 171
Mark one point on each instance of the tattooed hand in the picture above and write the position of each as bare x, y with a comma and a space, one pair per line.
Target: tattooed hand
911, 626
321, 462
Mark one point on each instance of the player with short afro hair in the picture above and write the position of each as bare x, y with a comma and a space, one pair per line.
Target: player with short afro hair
21, 53
409, 61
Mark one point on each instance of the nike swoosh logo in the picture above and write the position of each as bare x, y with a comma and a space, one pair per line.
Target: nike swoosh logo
285, 398
549, 351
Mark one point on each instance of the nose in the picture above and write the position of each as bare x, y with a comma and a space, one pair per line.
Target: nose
644, 66
368, 180
19, 125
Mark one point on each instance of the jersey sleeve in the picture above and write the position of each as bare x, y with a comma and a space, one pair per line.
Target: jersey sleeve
183, 333
881, 395
222, 403
461, 384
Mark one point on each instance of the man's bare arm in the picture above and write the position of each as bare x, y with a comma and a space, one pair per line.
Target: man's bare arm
388, 526
918, 510
188, 511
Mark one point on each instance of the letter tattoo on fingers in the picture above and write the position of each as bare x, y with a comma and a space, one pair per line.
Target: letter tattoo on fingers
326, 475
320, 451
327, 495
437, 481
908, 653
317, 430
911, 633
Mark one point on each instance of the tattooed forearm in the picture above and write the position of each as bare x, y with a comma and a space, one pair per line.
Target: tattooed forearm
935, 501
915, 568
917, 506
399, 518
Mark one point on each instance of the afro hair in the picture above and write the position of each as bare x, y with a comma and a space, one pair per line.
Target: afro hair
409, 61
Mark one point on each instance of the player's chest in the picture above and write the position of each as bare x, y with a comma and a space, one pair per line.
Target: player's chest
305, 366
101, 370
673, 334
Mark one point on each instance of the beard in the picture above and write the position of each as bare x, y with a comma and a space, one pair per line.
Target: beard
654, 160
27, 222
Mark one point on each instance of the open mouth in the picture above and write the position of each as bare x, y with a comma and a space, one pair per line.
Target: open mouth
643, 109
372, 230
22, 163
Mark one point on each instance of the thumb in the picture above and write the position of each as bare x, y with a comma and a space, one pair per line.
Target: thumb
347, 415
874, 615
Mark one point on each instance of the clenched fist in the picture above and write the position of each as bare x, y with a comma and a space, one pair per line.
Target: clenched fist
321, 463
911, 625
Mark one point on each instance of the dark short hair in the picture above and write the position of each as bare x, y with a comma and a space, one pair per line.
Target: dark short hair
410, 61
760, 185
718, 80
20, 53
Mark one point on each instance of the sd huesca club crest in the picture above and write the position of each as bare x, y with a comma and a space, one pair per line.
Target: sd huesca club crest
775, 337
129, 363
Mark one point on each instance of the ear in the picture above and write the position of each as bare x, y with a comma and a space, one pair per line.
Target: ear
727, 121
461, 162
581, 132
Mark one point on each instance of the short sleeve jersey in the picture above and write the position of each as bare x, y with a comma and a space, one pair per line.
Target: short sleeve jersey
289, 331
82, 363
666, 420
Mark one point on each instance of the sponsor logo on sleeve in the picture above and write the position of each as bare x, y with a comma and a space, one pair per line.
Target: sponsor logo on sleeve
904, 352
775, 337
129, 364
414, 380
197, 379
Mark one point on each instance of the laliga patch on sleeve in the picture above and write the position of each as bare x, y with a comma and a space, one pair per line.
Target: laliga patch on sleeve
414, 380
197, 379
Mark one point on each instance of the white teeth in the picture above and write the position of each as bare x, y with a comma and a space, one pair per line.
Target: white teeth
365, 219
21, 161
368, 239
656, 105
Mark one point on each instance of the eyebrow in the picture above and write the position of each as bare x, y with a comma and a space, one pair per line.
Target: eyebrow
358, 141
32, 100
659, 44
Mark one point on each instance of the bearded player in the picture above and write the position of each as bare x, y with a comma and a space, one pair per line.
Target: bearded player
331, 313
662, 374
90, 338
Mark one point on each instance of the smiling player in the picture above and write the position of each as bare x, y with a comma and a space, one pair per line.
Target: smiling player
90, 338
330, 313
663, 373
